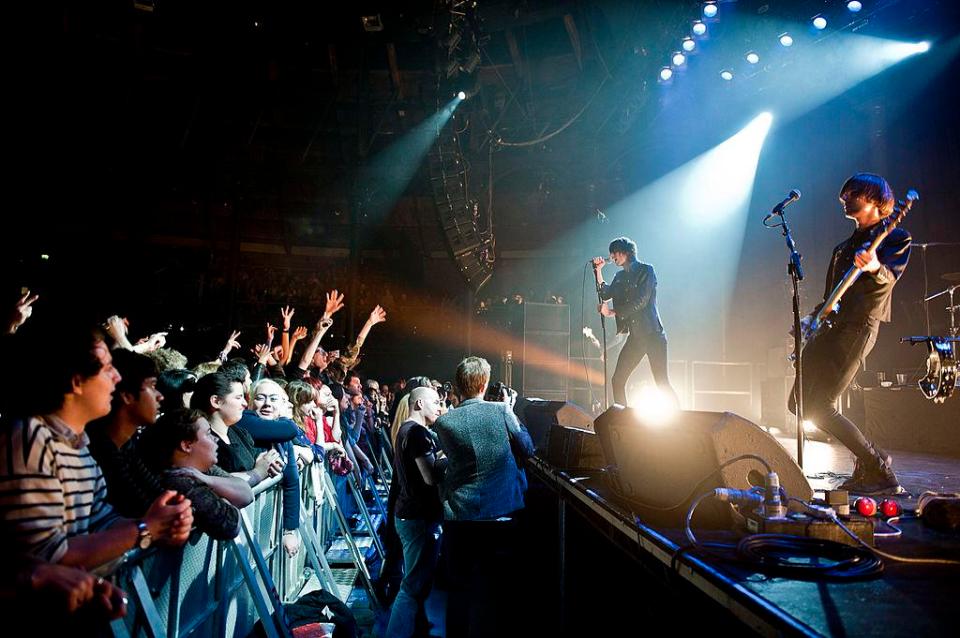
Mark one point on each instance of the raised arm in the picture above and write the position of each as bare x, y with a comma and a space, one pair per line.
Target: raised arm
287, 313
299, 333
352, 356
21, 311
230, 345
333, 305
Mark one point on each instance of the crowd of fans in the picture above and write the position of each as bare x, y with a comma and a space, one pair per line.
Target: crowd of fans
110, 445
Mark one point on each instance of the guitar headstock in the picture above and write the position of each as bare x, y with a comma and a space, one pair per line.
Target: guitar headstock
902, 208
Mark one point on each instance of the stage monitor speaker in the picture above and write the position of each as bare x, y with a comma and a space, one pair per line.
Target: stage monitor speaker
541, 416
662, 466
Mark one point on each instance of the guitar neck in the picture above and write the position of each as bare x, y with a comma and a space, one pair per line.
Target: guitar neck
851, 275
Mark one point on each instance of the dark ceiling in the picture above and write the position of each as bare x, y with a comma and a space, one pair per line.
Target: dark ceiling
252, 121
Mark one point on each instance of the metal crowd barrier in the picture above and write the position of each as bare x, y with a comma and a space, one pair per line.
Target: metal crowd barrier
211, 588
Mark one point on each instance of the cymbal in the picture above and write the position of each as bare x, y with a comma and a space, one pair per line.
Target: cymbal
951, 276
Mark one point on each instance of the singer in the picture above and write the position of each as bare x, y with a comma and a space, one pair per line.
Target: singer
634, 294
831, 359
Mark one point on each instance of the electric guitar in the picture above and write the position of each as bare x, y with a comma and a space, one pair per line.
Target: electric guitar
821, 321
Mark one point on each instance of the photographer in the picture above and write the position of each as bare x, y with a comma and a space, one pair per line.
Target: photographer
481, 492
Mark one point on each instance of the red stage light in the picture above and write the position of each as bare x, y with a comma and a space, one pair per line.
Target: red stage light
889, 508
866, 506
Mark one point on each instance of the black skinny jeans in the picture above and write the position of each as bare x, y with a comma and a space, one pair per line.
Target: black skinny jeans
830, 363
653, 345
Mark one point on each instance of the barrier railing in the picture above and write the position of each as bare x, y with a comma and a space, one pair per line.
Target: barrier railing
211, 588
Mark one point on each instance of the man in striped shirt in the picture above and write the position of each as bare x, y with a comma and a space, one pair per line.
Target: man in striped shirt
52, 493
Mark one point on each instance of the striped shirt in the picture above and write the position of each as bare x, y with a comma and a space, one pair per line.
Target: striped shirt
51, 488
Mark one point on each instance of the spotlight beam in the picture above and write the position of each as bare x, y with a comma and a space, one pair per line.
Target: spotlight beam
692, 220
388, 174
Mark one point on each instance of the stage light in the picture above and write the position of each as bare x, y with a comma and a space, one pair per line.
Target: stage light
699, 28
678, 59
889, 508
654, 406
688, 44
809, 426
865, 505
786, 40
461, 95
753, 58
896, 51
709, 9
819, 23
726, 74
665, 74
854, 6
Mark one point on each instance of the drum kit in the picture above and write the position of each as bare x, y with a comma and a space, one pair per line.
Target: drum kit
941, 377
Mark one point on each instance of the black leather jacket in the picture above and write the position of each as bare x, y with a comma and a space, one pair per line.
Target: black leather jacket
869, 297
634, 294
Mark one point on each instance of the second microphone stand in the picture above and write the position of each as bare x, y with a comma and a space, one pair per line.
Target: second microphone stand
795, 270
603, 354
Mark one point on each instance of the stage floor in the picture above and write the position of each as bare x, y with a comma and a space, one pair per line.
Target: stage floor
826, 465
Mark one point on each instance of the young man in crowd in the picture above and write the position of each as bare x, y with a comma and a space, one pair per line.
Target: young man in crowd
131, 487
56, 508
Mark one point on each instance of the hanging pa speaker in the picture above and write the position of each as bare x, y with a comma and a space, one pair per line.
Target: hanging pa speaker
661, 466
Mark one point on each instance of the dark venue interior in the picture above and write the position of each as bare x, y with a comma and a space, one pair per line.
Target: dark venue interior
181, 171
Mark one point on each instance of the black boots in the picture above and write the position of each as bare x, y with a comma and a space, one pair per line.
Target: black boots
873, 475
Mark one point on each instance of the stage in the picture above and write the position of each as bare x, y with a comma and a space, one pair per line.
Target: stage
598, 591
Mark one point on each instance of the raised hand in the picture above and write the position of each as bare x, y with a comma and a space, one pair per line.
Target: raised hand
334, 303
598, 262
271, 332
299, 333
231, 344
287, 313
377, 315
22, 311
116, 327
156, 340
262, 352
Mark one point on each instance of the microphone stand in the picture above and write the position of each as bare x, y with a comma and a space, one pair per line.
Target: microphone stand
795, 270
603, 330
923, 252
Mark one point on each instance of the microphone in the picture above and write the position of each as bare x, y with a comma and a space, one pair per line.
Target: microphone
778, 209
794, 196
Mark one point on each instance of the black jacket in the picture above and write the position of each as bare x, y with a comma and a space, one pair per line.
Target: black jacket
869, 297
634, 294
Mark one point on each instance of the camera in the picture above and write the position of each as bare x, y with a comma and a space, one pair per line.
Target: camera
495, 391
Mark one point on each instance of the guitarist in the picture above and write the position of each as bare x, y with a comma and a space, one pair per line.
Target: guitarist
634, 294
831, 359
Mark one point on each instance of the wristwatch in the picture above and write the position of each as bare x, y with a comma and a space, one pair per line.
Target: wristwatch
143, 536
